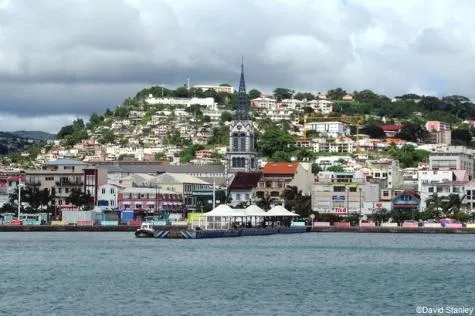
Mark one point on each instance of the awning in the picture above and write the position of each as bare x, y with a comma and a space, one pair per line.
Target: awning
279, 210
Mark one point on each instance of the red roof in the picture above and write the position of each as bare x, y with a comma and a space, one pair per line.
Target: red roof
280, 168
392, 128
245, 180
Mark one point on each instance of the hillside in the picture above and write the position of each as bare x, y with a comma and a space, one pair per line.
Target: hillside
37, 135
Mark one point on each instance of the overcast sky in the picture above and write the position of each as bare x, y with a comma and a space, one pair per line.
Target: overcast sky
65, 59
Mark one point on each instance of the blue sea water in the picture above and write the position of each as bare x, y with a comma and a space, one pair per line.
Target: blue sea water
301, 274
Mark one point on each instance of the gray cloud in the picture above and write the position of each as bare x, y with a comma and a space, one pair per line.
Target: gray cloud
77, 57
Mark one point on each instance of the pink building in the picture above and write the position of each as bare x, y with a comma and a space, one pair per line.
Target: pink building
152, 200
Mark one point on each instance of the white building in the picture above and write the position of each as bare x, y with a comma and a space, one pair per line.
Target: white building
107, 195
452, 158
329, 129
206, 102
217, 88
321, 106
264, 103
442, 183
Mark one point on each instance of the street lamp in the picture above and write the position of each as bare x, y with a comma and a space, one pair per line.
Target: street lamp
20, 185
348, 202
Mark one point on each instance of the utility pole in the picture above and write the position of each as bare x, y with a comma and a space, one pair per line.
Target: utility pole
214, 193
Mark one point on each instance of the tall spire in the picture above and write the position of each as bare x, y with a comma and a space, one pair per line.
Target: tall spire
242, 106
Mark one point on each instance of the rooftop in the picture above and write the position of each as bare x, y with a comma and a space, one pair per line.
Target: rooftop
245, 180
289, 168
65, 162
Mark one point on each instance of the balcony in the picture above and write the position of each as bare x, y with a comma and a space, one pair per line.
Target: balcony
32, 183
68, 183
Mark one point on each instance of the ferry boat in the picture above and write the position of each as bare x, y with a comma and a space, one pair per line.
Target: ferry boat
145, 231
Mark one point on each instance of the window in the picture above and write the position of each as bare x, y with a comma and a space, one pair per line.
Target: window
338, 189
247, 196
49, 178
377, 174
352, 189
112, 191
238, 197
385, 193
103, 190
59, 190
431, 189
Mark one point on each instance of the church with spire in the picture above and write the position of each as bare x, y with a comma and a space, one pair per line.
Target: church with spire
241, 155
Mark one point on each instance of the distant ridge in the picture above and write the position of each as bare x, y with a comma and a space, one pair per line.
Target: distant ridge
37, 135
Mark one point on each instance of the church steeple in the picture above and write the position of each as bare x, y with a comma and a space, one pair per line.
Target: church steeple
242, 106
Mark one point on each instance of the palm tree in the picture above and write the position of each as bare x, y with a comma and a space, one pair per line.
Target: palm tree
265, 202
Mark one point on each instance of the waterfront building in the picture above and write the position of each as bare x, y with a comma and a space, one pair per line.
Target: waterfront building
243, 186
241, 155
342, 192
277, 176
443, 183
151, 200
62, 175
406, 200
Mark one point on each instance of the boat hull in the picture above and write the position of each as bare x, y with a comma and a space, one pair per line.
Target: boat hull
144, 233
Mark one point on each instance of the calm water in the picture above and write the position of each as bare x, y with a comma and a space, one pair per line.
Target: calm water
302, 274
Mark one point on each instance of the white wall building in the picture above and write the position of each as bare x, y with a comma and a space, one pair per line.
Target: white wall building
207, 102
264, 103
329, 129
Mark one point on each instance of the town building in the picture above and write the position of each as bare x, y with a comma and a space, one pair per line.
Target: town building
217, 88
151, 200
439, 132
277, 176
62, 175
242, 188
342, 192
329, 129
452, 158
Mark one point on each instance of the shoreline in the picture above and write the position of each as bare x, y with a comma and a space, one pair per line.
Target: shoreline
126, 228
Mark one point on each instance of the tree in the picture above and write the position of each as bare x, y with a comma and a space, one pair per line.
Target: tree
281, 156
107, 137
413, 132
381, 216
336, 94
461, 136
316, 168
283, 93
253, 94
336, 168
159, 156
373, 131
304, 96
265, 202
80, 199
305, 154
273, 140
226, 116
407, 155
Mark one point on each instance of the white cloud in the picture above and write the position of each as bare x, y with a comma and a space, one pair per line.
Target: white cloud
83, 56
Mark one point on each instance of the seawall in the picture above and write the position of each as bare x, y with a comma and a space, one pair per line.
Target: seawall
379, 229
176, 230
